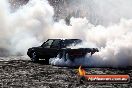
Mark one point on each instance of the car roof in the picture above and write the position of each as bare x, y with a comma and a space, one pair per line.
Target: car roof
64, 39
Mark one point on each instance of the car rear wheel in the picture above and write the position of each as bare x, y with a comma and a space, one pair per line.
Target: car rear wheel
34, 57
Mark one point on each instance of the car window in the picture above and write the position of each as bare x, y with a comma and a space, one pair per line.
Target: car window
55, 44
69, 42
47, 44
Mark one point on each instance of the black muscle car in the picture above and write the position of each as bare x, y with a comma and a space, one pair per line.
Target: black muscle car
58, 47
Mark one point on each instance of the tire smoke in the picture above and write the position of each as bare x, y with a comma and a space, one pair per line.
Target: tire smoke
33, 23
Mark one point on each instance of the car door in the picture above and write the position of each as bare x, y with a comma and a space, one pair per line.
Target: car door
45, 50
50, 48
54, 48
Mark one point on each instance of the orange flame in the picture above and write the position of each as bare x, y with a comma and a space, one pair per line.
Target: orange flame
82, 72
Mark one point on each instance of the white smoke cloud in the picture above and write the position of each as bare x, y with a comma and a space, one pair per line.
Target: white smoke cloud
104, 12
114, 43
25, 27
33, 23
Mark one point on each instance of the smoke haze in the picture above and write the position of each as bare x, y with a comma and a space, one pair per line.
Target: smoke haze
33, 23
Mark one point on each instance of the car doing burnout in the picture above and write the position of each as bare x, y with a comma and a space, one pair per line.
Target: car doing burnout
59, 48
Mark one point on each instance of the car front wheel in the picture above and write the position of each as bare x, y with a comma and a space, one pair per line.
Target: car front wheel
34, 57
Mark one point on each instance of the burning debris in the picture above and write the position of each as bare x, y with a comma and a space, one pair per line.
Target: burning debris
81, 71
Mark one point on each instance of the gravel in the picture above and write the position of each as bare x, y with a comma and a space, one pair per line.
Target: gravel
18, 72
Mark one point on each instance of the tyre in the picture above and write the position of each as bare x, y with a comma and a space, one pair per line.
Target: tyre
34, 57
60, 55
72, 58
66, 56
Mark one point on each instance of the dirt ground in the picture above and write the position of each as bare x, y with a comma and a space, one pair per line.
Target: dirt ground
20, 72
